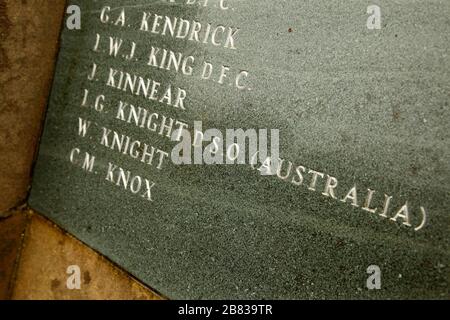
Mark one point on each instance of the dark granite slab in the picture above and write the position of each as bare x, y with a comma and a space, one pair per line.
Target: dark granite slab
366, 108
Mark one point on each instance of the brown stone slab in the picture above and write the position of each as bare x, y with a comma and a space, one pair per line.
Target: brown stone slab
29, 33
46, 257
11, 232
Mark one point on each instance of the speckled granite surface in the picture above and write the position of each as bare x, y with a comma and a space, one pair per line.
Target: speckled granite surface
367, 107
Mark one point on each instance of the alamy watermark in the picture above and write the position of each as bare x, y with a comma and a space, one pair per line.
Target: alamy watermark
233, 146
74, 279
374, 280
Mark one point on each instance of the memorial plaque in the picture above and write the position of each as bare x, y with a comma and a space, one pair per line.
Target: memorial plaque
136, 160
